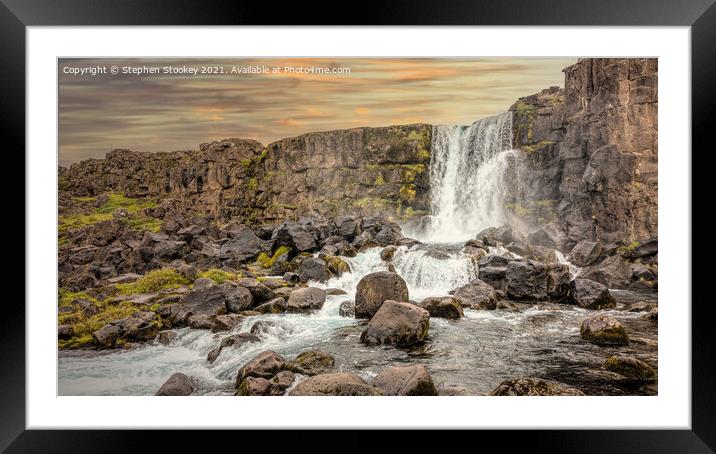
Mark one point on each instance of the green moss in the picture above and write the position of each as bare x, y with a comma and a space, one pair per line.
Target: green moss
379, 181
372, 202
266, 262
246, 163
133, 206
218, 276
165, 278
518, 209
63, 184
537, 146
407, 192
66, 297
252, 184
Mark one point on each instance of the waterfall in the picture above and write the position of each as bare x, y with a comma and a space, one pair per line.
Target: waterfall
466, 178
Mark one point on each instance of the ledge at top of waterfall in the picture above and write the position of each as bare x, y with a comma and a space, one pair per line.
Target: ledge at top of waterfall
467, 171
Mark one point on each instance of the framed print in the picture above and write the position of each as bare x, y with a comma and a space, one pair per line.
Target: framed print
444, 220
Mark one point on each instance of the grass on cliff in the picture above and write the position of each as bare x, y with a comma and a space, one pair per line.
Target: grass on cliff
154, 281
135, 219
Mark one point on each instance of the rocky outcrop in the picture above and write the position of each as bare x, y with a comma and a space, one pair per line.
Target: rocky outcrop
412, 380
361, 170
587, 163
401, 324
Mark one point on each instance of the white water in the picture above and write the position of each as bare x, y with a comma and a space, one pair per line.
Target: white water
466, 178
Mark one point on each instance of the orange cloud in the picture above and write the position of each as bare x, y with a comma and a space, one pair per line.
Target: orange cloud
362, 111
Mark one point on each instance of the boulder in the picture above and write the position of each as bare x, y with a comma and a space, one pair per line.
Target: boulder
107, 336
526, 280
335, 291
387, 253
630, 368
586, 253
312, 362
613, 271
347, 309
306, 299
412, 380
397, 323
225, 322
235, 340
336, 265
442, 307
177, 385
496, 236
643, 249
603, 330
259, 292
166, 337
65, 331
334, 384
476, 294
140, 326
390, 234
375, 288
256, 386
313, 269
243, 246
534, 387
275, 306
236, 299
348, 226
301, 237
592, 295
264, 365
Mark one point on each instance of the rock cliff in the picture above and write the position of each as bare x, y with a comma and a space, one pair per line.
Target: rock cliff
361, 170
587, 159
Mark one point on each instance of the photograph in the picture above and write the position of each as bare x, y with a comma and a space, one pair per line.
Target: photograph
357, 226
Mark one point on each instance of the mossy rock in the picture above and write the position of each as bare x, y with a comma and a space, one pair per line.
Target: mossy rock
631, 368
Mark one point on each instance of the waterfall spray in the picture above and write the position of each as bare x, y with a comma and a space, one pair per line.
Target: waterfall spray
466, 177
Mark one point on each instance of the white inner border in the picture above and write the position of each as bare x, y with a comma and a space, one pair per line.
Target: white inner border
670, 409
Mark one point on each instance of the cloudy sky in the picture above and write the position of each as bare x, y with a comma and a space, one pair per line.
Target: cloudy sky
163, 112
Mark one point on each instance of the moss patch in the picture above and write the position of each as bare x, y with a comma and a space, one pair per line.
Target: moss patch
218, 276
165, 278
264, 261
133, 206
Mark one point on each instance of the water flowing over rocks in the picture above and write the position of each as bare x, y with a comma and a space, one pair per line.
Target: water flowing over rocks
336, 248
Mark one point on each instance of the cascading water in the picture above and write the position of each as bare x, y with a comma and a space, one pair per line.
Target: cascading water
472, 354
466, 178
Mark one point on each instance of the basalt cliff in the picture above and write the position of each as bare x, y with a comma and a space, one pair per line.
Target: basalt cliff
585, 166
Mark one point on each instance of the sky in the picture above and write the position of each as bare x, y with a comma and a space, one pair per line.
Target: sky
158, 105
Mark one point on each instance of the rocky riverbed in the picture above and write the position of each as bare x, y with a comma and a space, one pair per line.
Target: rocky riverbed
472, 316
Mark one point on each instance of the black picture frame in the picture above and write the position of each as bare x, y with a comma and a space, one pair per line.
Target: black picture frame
700, 15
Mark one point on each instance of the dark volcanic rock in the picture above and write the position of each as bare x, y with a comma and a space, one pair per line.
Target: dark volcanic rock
313, 269
613, 271
592, 295
312, 362
375, 288
585, 253
630, 368
306, 299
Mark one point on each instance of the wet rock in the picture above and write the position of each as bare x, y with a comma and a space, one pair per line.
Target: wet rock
652, 315
334, 384
335, 291
631, 368
375, 288
507, 306
264, 365
200, 321
387, 253
644, 249
225, 322
397, 323
306, 299
259, 292
336, 265
526, 280
313, 269
476, 294
166, 337
586, 253
292, 278
496, 236
177, 385
613, 271
276, 386
283, 292
603, 330
301, 237
443, 307
347, 309
534, 387
411, 380
140, 326
493, 276
262, 327
274, 284
348, 226
275, 306
312, 362
592, 295
235, 340
390, 234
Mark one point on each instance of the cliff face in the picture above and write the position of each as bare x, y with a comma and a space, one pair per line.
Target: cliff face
361, 170
588, 153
